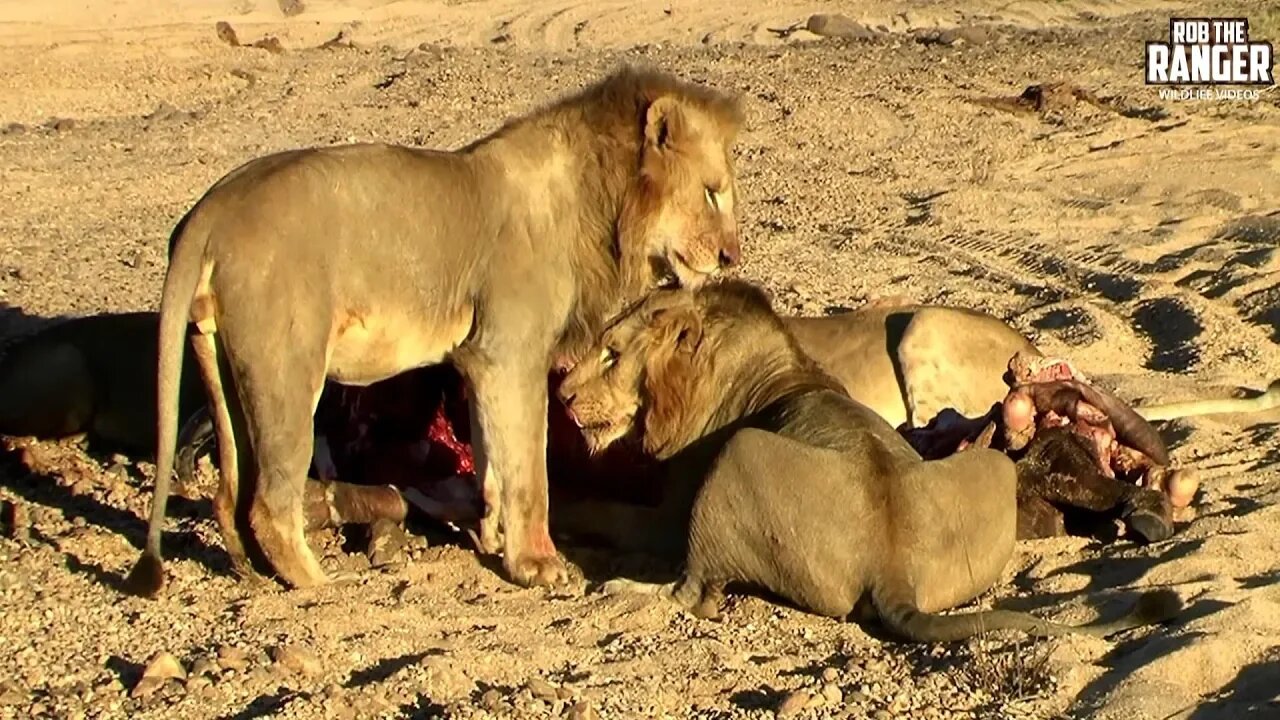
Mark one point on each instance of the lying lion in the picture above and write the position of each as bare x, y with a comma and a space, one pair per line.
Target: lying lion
776, 478
92, 376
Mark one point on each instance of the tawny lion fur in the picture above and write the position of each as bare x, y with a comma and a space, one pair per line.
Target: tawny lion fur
355, 263
776, 478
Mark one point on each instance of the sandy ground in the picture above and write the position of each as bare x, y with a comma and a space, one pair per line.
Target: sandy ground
1138, 236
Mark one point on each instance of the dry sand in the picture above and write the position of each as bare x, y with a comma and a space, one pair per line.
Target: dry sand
1138, 236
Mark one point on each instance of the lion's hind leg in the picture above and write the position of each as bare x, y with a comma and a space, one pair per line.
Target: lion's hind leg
228, 422
279, 387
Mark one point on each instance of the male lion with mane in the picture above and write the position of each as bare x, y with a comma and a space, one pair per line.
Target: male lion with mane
775, 477
358, 262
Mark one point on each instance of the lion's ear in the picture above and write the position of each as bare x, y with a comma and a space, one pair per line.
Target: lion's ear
682, 327
663, 123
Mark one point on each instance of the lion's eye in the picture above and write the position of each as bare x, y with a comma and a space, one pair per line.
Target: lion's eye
711, 198
608, 357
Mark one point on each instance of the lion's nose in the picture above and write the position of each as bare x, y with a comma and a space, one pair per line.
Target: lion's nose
729, 256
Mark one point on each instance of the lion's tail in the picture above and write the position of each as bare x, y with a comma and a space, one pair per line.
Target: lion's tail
1268, 400
1154, 606
187, 247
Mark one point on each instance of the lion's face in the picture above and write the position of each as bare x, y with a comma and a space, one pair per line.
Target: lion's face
607, 391
684, 205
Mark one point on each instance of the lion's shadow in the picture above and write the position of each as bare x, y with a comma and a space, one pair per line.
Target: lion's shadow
42, 490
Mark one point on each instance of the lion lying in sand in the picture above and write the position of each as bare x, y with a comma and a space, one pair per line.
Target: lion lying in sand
777, 479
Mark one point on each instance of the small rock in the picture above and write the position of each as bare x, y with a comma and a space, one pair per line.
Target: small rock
60, 124
387, 541
17, 522
270, 43
164, 665
291, 7
973, 35
564, 693
204, 665
11, 694
198, 683
445, 679
13, 128
172, 688
832, 693
542, 689
296, 660
146, 687
882, 715
261, 678
582, 711
232, 658
830, 675
858, 697
491, 700
838, 26
226, 33
793, 703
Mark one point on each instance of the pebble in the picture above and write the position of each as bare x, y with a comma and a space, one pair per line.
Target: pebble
296, 660
146, 687
387, 542
832, 693
882, 715
830, 675
17, 521
839, 26
232, 658
11, 694
164, 665
172, 688
793, 703
491, 700
198, 682
204, 665
445, 679
542, 689
583, 711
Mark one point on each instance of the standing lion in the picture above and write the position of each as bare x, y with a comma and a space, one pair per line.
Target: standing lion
358, 262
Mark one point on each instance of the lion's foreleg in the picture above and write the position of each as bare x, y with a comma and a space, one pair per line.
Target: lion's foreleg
511, 407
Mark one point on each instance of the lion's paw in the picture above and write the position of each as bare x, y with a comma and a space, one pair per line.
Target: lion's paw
537, 570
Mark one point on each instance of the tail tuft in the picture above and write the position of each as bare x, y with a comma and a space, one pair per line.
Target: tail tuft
147, 577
